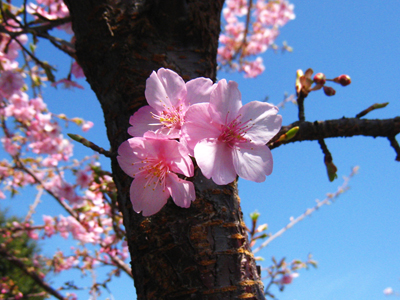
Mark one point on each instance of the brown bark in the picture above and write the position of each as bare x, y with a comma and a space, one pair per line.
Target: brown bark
196, 253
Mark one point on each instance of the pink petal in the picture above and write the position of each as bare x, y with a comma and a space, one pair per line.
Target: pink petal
147, 197
199, 90
125, 158
184, 164
199, 125
143, 121
225, 101
164, 89
132, 160
264, 121
144, 148
182, 191
176, 155
253, 162
215, 161
151, 135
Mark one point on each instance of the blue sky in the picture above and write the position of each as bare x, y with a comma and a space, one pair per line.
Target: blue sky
356, 239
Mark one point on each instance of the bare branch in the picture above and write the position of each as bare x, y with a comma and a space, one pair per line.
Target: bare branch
344, 127
395, 146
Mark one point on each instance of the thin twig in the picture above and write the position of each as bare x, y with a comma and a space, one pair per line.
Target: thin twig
327, 200
64, 46
35, 203
21, 166
371, 108
245, 33
300, 103
395, 146
91, 145
38, 61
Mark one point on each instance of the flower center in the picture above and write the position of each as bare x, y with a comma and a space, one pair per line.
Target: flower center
171, 118
234, 132
155, 172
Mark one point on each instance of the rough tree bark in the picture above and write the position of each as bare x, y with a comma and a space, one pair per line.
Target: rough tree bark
196, 253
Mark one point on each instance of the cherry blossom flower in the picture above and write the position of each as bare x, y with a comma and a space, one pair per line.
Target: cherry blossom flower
87, 125
240, 42
154, 164
388, 291
229, 138
77, 71
10, 82
169, 98
83, 179
67, 84
288, 278
255, 68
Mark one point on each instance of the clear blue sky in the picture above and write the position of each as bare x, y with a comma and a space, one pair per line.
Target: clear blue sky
355, 240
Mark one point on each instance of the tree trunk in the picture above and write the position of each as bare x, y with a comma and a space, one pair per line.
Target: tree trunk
196, 253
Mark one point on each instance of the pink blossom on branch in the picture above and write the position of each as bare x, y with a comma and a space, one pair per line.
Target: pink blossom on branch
10, 82
77, 71
154, 164
229, 139
288, 278
67, 83
240, 42
169, 97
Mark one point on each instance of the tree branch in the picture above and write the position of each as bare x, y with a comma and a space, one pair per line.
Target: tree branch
344, 127
17, 262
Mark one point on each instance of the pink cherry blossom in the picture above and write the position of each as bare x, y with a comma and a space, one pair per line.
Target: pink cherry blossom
241, 41
253, 69
77, 71
388, 291
10, 82
67, 84
87, 125
11, 147
288, 278
83, 179
169, 98
49, 225
229, 138
154, 164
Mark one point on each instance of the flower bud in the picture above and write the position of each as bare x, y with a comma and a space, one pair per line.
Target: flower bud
343, 80
254, 216
288, 278
320, 78
332, 170
289, 135
329, 91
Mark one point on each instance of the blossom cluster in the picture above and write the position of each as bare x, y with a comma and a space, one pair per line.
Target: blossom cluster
36, 153
249, 30
196, 119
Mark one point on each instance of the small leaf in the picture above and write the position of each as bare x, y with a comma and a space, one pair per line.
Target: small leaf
48, 70
289, 135
254, 215
331, 169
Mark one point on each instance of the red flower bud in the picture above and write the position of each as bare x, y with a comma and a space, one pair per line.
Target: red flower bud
320, 78
343, 80
329, 91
